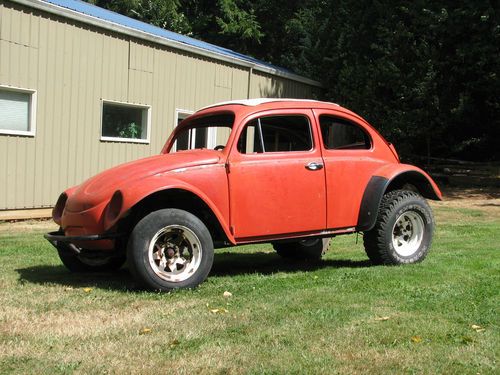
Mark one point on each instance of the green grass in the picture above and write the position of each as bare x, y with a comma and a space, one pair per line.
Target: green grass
283, 317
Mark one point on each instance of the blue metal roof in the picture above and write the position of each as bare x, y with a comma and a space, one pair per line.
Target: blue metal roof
107, 15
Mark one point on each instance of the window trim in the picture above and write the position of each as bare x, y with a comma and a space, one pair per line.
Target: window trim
32, 112
177, 112
311, 135
147, 140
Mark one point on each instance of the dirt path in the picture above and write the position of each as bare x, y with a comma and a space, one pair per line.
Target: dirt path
486, 200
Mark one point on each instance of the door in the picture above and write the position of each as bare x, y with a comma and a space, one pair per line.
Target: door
351, 158
276, 177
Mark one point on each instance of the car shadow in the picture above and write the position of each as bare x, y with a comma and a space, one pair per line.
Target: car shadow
225, 264
59, 275
232, 263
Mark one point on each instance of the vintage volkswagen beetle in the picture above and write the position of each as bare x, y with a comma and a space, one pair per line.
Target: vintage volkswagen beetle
290, 172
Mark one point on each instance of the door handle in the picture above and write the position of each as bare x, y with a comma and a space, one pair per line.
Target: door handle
313, 166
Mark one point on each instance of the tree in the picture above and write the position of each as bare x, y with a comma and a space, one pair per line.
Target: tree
425, 73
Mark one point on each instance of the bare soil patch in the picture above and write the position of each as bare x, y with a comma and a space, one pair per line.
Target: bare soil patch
485, 201
32, 225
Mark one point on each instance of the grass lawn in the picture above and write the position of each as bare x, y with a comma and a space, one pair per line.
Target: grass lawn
339, 316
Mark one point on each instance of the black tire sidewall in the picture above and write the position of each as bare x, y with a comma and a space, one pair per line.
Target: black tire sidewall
73, 262
144, 231
298, 250
417, 205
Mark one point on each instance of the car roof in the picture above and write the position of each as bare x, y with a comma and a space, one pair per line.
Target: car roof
260, 101
247, 106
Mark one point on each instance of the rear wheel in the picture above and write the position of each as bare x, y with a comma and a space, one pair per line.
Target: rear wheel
311, 248
403, 230
170, 249
100, 262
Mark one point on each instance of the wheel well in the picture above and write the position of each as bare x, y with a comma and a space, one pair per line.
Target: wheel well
378, 186
180, 199
413, 181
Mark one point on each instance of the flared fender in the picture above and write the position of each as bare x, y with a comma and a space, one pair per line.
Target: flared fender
389, 177
137, 192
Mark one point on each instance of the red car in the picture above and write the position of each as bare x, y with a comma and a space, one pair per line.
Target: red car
290, 172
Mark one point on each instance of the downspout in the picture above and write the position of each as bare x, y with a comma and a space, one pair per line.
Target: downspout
250, 73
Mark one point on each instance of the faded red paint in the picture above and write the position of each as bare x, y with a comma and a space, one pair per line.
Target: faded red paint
255, 197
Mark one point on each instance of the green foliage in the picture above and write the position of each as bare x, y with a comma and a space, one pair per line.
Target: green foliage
121, 123
161, 13
424, 73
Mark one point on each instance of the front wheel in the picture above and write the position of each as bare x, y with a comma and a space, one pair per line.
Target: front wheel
403, 230
170, 249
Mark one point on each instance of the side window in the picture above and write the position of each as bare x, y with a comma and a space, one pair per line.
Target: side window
343, 135
276, 134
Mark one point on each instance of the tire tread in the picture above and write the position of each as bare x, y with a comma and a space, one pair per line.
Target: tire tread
374, 240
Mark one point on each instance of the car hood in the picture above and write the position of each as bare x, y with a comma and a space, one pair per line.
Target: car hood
101, 187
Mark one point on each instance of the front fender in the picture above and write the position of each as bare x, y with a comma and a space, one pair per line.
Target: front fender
135, 193
389, 177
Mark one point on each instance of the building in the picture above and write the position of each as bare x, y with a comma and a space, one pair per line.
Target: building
83, 89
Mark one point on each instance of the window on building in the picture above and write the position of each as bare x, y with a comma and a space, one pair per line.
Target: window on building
183, 139
276, 134
17, 111
211, 132
343, 135
125, 122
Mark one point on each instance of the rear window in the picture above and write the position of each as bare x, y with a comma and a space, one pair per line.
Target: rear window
339, 134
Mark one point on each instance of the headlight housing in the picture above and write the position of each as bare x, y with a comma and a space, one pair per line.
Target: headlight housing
114, 208
59, 208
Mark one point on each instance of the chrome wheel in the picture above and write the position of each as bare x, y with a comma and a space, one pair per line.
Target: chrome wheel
407, 233
175, 253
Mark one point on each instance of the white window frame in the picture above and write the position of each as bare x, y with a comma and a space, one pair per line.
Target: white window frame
211, 135
32, 112
147, 140
177, 114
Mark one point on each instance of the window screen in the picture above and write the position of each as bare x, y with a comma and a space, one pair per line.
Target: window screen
342, 135
124, 121
14, 110
276, 134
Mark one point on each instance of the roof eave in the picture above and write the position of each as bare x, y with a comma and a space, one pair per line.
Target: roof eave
85, 18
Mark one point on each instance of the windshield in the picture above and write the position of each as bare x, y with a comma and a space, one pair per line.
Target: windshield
210, 132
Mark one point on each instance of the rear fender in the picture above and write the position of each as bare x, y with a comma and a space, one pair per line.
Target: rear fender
388, 178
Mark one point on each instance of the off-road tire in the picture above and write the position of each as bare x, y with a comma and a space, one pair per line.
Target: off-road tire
81, 263
148, 271
307, 249
395, 207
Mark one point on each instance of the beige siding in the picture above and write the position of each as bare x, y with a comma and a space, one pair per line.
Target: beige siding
73, 67
267, 86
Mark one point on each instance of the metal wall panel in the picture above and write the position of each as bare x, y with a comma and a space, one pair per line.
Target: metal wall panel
73, 67
267, 86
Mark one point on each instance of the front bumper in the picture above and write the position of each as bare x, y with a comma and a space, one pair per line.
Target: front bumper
92, 241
